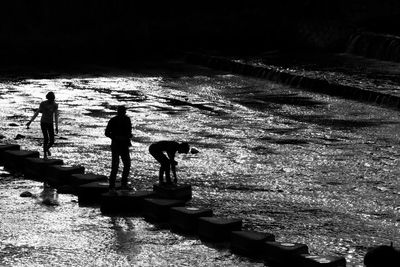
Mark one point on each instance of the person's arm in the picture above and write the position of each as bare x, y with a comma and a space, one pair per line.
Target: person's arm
108, 132
56, 118
33, 118
173, 163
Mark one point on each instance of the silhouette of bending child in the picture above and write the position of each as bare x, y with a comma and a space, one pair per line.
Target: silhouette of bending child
119, 129
49, 110
167, 163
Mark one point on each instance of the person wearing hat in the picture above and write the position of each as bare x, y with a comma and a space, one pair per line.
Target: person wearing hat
49, 110
119, 130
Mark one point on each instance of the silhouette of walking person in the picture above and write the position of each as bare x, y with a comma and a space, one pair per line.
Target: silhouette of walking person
119, 129
49, 110
168, 162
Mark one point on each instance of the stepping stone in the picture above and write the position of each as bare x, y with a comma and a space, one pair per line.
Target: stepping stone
61, 175
91, 193
67, 189
182, 191
284, 253
306, 260
4, 147
86, 178
157, 210
15, 159
36, 168
249, 243
185, 219
124, 202
218, 229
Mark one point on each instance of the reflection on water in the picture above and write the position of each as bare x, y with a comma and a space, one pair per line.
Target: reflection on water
310, 169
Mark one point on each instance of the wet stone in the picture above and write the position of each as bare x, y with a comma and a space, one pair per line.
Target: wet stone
249, 243
91, 193
157, 210
26, 194
284, 253
185, 219
86, 178
19, 136
15, 159
124, 202
60, 175
36, 168
306, 260
182, 191
218, 229
4, 147
67, 189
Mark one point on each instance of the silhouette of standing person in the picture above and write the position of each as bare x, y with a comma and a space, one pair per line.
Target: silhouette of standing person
167, 163
119, 129
49, 110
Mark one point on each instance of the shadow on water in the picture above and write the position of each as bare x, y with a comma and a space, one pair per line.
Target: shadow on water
177, 103
264, 150
274, 101
325, 120
290, 99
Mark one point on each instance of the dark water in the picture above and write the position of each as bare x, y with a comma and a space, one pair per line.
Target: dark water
307, 168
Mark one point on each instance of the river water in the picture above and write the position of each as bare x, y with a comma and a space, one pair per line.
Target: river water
308, 168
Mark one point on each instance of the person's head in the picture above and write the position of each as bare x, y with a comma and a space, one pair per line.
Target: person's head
50, 96
121, 110
183, 148
382, 256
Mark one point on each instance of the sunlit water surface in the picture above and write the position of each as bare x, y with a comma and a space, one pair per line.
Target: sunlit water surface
307, 168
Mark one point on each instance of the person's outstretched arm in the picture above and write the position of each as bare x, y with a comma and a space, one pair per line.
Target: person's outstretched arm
33, 118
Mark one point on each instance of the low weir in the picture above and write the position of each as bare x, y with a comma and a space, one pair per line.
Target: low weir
165, 205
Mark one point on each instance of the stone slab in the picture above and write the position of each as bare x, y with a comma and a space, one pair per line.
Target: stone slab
58, 175
306, 260
36, 168
185, 219
4, 147
249, 243
217, 229
15, 159
91, 192
157, 210
180, 191
283, 253
86, 178
124, 202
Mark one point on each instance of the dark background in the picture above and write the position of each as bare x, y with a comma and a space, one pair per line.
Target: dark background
121, 31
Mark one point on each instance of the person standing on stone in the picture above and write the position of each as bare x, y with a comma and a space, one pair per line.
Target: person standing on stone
49, 110
119, 129
167, 162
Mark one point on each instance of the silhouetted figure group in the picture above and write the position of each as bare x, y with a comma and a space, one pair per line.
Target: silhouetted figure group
119, 130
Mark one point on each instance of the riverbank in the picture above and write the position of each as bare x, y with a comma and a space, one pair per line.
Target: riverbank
342, 75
